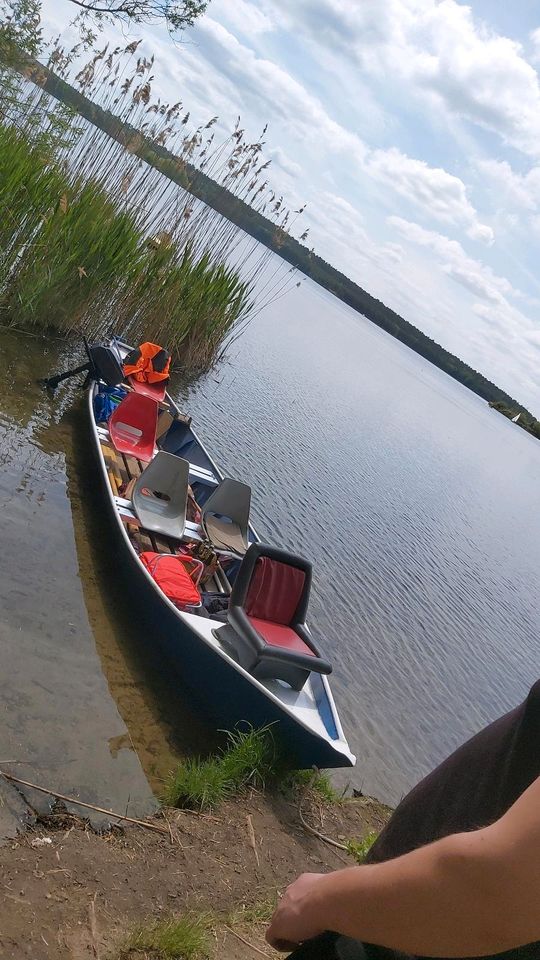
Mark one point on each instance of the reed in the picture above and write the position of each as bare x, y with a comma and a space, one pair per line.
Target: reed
93, 237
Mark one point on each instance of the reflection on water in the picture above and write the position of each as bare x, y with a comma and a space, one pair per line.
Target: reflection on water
86, 708
418, 505
150, 699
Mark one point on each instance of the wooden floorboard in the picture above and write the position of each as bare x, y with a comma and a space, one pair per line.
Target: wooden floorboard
118, 476
112, 470
133, 467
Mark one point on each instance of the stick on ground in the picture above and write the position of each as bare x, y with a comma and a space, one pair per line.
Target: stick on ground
88, 806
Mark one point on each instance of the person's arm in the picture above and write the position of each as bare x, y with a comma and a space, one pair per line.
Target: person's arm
470, 894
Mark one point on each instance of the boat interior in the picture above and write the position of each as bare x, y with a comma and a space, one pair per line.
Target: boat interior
184, 520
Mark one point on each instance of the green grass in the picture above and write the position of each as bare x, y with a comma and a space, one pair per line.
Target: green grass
201, 784
252, 913
185, 938
189, 937
313, 782
359, 849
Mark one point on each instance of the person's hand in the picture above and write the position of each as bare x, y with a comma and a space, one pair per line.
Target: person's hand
295, 918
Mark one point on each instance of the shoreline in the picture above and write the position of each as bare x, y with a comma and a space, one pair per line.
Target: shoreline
72, 892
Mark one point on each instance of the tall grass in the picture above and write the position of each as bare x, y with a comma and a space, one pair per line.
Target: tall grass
93, 237
248, 759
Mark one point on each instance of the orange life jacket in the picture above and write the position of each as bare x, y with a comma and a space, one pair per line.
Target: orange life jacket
148, 363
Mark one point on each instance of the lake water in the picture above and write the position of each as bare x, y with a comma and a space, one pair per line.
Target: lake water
417, 504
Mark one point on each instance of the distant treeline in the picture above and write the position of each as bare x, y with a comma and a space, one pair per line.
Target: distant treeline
526, 421
276, 239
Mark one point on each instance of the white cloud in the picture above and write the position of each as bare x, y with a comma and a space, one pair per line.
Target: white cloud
480, 75
440, 49
431, 188
274, 93
279, 157
475, 276
480, 231
243, 17
266, 85
534, 37
512, 189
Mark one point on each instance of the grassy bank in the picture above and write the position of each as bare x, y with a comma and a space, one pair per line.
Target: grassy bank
247, 760
92, 237
74, 258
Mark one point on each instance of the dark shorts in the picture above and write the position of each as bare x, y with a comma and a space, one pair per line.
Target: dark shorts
331, 946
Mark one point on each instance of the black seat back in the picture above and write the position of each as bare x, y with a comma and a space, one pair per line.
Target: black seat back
106, 365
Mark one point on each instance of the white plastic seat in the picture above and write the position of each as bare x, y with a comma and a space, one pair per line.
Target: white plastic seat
160, 495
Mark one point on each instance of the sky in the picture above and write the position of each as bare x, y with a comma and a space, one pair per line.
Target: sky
411, 128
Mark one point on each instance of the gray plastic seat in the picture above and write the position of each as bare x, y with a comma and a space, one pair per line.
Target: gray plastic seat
225, 516
160, 495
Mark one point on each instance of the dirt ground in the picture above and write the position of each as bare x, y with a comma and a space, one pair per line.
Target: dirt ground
67, 892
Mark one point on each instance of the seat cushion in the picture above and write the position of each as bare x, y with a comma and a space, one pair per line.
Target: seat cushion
277, 635
275, 590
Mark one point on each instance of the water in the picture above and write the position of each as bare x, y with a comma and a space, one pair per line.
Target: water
85, 708
417, 504
419, 508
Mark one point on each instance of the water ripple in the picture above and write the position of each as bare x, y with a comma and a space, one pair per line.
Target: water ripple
417, 505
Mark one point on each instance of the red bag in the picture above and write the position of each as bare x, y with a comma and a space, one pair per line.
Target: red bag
170, 573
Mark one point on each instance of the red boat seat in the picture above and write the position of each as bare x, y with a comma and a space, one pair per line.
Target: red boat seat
133, 425
267, 613
154, 390
278, 635
275, 590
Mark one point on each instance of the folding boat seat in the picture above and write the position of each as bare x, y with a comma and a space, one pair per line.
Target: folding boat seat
133, 425
154, 390
225, 516
267, 614
160, 495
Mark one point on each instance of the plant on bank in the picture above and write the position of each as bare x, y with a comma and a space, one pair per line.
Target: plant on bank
311, 781
359, 849
91, 234
248, 759
187, 937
